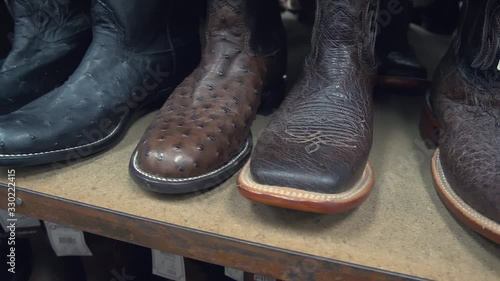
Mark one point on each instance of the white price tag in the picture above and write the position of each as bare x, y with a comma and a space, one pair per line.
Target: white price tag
168, 266
66, 241
234, 274
263, 278
21, 221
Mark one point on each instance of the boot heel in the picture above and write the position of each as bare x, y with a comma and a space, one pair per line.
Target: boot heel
272, 97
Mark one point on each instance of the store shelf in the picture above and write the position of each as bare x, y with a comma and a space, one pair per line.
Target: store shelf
402, 230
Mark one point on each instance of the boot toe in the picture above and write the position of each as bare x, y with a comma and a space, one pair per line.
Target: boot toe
18, 135
296, 167
471, 162
171, 158
332, 182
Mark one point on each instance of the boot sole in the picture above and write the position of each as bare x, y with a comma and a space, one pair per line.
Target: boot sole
472, 218
187, 185
296, 199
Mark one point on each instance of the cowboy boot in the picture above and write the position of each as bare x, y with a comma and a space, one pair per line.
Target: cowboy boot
399, 66
313, 154
201, 136
139, 53
466, 95
50, 39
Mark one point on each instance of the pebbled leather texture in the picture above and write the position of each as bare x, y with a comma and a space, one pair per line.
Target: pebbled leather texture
396, 57
50, 39
466, 96
320, 137
127, 68
207, 119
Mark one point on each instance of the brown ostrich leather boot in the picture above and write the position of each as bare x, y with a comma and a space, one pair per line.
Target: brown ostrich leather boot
313, 155
466, 94
201, 136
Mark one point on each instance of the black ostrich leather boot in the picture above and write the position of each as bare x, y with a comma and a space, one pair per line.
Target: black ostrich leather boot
139, 53
50, 38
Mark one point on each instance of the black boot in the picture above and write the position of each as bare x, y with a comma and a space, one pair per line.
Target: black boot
139, 53
399, 67
49, 42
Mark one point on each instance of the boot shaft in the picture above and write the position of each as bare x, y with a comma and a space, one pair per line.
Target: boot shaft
468, 73
43, 26
254, 23
477, 43
151, 26
340, 26
49, 21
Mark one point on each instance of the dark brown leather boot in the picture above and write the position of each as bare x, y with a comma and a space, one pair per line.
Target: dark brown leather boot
313, 155
201, 136
466, 94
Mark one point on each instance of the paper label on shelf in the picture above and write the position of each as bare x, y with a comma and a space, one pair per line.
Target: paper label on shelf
263, 278
21, 221
168, 266
234, 274
67, 241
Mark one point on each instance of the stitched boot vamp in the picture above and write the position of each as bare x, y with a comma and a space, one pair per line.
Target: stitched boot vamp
320, 137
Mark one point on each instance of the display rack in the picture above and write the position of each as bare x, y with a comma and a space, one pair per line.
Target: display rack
403, 229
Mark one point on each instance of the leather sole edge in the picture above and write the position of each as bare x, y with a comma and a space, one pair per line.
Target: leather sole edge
296, 199
465, 213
